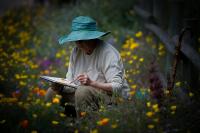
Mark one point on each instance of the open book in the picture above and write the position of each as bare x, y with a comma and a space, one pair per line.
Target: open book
61, 81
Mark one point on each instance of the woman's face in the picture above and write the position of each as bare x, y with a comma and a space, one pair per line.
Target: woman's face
82, 44
85, 45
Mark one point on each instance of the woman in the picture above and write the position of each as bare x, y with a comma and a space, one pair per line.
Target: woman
95, 65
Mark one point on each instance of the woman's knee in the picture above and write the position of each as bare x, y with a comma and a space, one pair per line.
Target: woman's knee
82, 93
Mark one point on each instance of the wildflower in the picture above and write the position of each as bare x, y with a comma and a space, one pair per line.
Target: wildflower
24, 123
62, 115
34, 131
156, 120
155, 106
58, 55
141, 59
149, 114
135, 57
150, 126
191, 94
166, 92
76, 131
130, 62
2, 121
8, 100
55, 122
46, 72
56, 100
48, 104
34, 115
94, 131
134, 45
114, 126
82, 114
148, 104
178, 84
173, 112
103, 121
173, 107
41, 92
134, 86
22, 83
149, 39
139, 34
132, 93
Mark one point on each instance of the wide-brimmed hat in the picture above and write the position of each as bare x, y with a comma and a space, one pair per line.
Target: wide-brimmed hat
83, 28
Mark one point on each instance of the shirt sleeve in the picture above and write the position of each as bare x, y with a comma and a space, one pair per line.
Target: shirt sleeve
113, 71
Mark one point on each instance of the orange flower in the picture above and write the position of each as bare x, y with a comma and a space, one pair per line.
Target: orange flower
24, 123
103, 121
35, 90
41, 92
82, 114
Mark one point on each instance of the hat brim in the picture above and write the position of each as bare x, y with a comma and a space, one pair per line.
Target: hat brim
81, 35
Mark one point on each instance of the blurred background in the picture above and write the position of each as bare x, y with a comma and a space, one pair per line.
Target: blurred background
146, 33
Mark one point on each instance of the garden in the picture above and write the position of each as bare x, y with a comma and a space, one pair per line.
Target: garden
29, 48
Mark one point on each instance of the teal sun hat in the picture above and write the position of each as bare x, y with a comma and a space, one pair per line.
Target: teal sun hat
83, 28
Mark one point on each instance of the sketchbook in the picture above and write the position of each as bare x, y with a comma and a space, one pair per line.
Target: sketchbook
61, 81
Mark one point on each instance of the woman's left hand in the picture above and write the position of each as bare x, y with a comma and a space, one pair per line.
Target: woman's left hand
84, 79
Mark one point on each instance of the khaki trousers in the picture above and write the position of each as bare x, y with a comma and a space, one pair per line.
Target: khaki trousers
84, 99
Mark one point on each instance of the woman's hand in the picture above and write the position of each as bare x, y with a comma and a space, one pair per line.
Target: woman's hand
84, 79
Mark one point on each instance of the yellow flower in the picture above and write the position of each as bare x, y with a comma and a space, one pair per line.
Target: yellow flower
156, 120
55, 122
133, 86
149, 114
34, 131
58, 55
130, 62
155, 106
178, 84
76, 131
132, 93
56, 100
48, 104
134, 45
94, 131
141, 59
34, 115
139, 34
191, 94
135, 57
173, 107
22, 83
149, 39
114, 126
62, 115
148, 104
150, 126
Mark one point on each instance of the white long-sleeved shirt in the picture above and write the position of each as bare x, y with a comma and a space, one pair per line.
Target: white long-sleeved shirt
103, 65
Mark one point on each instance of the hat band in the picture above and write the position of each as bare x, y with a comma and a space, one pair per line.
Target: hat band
84, 26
